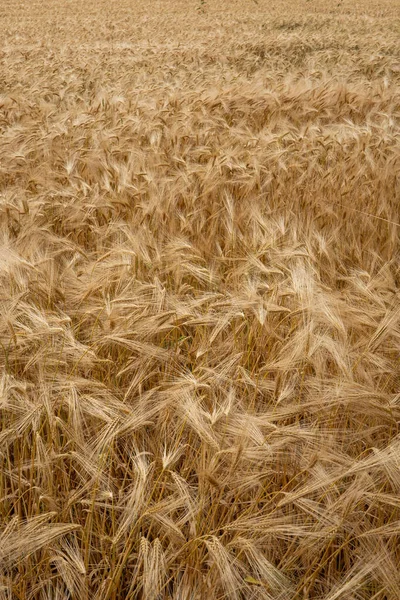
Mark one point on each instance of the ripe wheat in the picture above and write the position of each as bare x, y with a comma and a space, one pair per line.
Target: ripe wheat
199, 300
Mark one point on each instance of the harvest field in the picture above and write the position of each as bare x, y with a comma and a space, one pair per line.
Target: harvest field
199, 300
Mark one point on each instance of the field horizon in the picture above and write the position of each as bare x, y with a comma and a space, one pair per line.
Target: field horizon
200, 300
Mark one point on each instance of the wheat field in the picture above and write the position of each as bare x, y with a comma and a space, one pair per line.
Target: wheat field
200, 300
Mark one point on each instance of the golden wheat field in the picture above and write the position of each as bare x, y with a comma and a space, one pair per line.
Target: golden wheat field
200, 300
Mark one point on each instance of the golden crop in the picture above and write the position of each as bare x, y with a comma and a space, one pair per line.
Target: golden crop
199, 300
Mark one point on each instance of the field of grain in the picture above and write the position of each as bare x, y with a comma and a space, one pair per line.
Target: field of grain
200, 300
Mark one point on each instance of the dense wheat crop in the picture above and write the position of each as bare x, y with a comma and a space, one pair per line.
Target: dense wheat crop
199, 300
